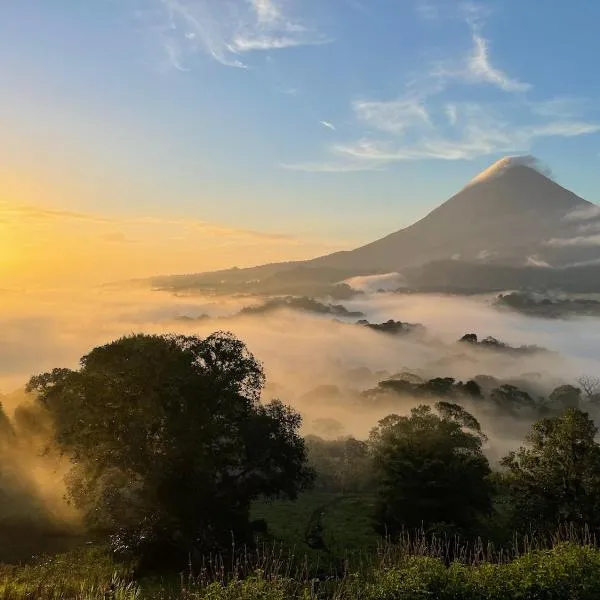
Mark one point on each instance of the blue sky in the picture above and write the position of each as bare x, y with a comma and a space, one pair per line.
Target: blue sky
340, 121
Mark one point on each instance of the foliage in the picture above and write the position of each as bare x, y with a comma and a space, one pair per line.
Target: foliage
342, 465
430, 470
556, 476
565, 396
591, 388
170, 443
436, 388
303, 303
568, 570
85, 573
392, 327
512, 399
491, 343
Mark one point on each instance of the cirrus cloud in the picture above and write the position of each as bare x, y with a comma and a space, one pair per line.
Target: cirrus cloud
226, 31
430, 119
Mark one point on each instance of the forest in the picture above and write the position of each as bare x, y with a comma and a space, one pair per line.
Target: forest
182, 479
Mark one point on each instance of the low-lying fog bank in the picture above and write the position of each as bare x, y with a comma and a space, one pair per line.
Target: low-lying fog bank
324, 361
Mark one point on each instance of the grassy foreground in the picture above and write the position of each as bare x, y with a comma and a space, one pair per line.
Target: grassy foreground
352, 565
567, 571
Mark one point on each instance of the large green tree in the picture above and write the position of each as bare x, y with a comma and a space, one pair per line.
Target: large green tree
170, 442
431, 470
555, 478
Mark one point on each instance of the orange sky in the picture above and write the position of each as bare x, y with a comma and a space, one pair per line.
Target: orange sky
43, 244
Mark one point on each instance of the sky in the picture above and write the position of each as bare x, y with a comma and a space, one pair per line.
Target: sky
174, 136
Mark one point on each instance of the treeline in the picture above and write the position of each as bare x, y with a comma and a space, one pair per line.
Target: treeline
429, 473
170, 444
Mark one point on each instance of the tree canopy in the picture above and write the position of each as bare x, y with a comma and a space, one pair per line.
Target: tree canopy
556, 477
170, 443
431, 469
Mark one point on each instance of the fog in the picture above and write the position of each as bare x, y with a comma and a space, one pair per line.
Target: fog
317, 364
54, 328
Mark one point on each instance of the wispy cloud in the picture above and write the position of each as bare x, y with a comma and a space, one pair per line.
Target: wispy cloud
480, 68
477, 131
227, 31
12, 212
587, 240
395, 116
535, 261
586, 212
451, 113
288, 91
21, 215
267, 11
427, 121
328, 125
564, 107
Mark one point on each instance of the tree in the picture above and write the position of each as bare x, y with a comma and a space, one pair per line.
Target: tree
591, 387
556, 477
565, 396
170, 443
341, 465
511, 399
430, 469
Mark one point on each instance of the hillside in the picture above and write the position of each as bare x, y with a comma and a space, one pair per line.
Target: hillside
511, 216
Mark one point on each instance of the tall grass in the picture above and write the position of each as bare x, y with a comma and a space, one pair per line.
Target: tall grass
564, 565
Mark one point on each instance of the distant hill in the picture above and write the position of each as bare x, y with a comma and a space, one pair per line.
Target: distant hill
452, 276
511, 226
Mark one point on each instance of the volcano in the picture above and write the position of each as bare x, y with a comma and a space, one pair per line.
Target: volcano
512, 220
510, 214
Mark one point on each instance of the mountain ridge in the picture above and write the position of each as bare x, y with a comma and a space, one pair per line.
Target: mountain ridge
511, 214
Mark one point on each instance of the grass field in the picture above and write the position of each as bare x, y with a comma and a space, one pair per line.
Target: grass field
346, 522
566, 568
569, 571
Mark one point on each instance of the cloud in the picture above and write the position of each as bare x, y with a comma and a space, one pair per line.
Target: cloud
478, 131
425, 122
25, 214
56, 247
481, 69
499, 167
226, 31
54, 328
451, 113
534, 261
430, 119
328, 125
585, 212
269, 42
473, 130
583, 240
562, 107
394, 116
288, 91
267, 11
11, 212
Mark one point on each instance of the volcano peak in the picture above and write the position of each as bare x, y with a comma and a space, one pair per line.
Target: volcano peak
504, 165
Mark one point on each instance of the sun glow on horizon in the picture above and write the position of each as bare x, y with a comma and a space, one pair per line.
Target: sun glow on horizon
45, 244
